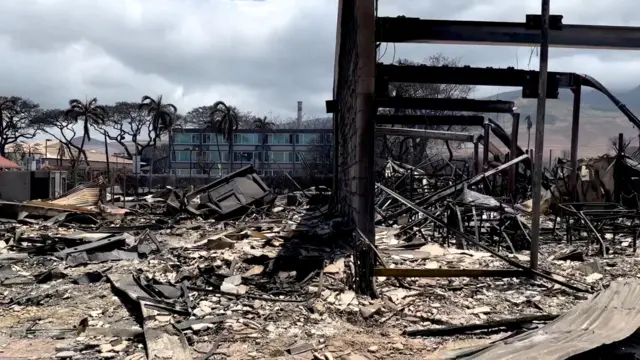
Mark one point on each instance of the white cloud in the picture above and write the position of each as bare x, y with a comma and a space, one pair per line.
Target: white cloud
262, 56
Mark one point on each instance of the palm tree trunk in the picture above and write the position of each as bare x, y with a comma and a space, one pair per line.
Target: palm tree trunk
153, 156
230, 162
219, 152
170, 148
78, 158
106, 154
230, 133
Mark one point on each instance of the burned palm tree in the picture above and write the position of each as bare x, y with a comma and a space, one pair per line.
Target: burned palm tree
225, 121
162, 116
265, 127
92, 114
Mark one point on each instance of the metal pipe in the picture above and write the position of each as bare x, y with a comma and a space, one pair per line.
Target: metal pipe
485, 145
575, 134
514, 150
476, 158
430, 134
539, 141
440, 104
430, 120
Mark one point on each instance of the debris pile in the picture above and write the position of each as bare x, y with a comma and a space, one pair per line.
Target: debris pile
232, 271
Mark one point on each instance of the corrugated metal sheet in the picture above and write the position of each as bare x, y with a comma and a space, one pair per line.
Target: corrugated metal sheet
84, 195
83, 198
610, 316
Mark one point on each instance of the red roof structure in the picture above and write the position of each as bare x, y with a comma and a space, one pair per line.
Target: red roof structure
8, 164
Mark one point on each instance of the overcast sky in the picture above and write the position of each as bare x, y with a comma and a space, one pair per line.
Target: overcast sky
258, 55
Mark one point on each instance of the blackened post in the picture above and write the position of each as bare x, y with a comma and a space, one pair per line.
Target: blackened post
514, 150
550, 156
575, 132
539, 141
485, 144
476, 158
617, 192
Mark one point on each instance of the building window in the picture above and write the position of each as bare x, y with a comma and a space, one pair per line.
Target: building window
328, 139
182, 138
281, 156
243, 157
218, 171
246, 139
308, 139
214, 156
185, 172
183, 156
210, 139
279, 139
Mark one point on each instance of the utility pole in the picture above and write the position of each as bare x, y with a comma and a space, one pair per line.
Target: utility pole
539, 140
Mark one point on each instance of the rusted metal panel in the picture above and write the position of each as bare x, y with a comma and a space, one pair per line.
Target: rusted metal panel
610, 316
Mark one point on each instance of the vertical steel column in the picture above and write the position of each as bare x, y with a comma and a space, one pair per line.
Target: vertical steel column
365, 134
476, 157
575, 135
513, 171
485, 144
539, 141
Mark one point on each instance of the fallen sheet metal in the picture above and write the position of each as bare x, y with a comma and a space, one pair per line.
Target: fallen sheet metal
163, 339
237, 190
610, 316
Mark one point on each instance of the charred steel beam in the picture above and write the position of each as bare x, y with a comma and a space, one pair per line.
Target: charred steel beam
409, 272
528, 79
430, 120
466, 105
431, 134
415, 30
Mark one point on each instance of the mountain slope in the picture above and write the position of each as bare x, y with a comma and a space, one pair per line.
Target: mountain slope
600, 120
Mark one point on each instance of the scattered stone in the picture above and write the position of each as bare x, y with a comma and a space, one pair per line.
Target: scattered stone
373, 349
479, 310
106, 348
398, 346
200, 327
433, 249
432, 265
233, 280
318, 308
108, 355
121, 346
345, 299
256, 270
66, 354
64, 347
369, 311
336, 267
164, 318
219, 243
593, 277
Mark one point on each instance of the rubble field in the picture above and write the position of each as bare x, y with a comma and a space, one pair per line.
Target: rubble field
209, 275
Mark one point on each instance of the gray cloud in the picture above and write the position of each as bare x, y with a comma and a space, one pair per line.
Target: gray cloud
261, 56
